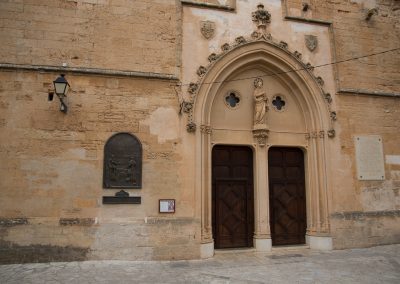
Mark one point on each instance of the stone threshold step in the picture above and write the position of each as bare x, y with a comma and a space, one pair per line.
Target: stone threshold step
274, 249
234, 250
290, 247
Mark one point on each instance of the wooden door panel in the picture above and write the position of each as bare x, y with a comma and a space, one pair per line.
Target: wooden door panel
231, 213
287, 196
232, 196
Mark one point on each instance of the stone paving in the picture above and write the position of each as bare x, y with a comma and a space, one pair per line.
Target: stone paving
289, 265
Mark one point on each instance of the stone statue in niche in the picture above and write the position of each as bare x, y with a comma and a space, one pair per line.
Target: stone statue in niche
260, 103
122, 162
260, 128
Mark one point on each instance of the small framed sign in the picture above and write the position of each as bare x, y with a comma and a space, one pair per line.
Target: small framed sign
167, 205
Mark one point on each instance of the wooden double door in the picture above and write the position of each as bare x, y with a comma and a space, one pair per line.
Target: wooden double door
233, 196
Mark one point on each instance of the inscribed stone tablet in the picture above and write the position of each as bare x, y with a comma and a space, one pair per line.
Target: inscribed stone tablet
369, 157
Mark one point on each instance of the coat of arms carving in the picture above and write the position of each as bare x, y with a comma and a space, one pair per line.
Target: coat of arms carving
311, 42
207, 29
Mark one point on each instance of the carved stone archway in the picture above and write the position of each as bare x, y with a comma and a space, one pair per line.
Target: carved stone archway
316, 106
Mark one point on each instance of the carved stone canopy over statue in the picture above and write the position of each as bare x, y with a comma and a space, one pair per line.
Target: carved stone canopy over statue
260, 103
261, 17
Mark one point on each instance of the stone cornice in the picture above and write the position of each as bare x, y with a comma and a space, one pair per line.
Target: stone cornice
306, 20
92, 71
208, 5
367, 93
356, 215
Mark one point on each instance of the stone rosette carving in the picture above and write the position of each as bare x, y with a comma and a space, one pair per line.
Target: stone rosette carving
283, 45
193, 88
315, 135
261, 17
207, 29
297, 54
191, 127
225, 47
309, 67
206, 129
201, 71
240, 40
333, 115
212, 57
255, 35
320, 81
261, 36
311, 42
328, 98
187, 107
320, 134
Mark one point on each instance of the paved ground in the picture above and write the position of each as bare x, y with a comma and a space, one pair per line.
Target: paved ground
372, 265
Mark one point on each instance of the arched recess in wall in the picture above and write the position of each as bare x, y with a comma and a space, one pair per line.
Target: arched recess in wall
122, 162
313, 102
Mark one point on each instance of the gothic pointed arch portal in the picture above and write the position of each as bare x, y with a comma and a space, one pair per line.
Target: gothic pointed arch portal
298, 114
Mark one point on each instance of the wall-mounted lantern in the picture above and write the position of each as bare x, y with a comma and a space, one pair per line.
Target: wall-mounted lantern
61, 87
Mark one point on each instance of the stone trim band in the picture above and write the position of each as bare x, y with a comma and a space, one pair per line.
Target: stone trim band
94, 71
208, 5
358, 215
367, 93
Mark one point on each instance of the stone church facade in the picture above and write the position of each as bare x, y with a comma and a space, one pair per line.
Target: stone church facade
192, 126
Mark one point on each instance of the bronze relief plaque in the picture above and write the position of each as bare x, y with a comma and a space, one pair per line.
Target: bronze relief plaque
122, 162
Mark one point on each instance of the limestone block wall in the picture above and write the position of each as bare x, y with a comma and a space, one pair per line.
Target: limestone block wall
354, 36
363, 213
52, 164
126, 35
366, 213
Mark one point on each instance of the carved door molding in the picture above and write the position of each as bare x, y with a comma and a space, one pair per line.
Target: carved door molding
317, 120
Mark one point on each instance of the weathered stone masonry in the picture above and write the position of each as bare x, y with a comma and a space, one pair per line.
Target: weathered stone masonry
130, 65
